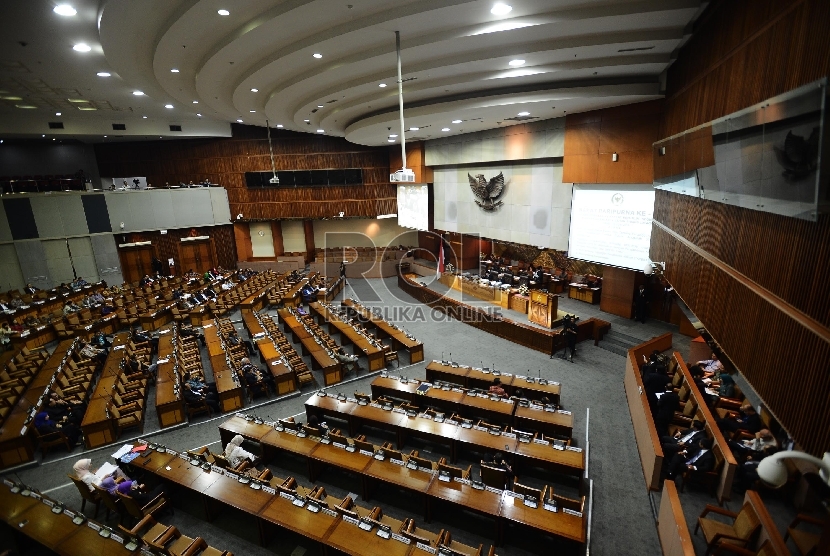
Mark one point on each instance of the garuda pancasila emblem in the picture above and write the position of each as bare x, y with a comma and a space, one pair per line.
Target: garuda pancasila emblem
488, 192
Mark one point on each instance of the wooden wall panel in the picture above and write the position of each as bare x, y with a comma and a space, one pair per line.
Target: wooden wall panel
242, 237
225, 161
742, 53
166, 246
592, 137
618, 285
276, 235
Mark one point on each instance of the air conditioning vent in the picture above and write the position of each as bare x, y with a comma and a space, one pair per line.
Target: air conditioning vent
175, 128
119, 127
55, 125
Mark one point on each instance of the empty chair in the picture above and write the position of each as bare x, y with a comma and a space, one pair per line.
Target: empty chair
805, 542
153, 507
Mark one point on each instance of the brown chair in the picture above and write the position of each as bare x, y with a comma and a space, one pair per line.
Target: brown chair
50, 440
745, 525
389, 355
453, 471
805, 542
413, 532
147, 529
493, 476
172, 542
86, 495
111, 503
457, 547
194, 409
140, 512
124, 422
732, 550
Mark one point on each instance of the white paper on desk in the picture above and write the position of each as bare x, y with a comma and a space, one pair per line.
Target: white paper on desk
106, 470
122, 346
125, 449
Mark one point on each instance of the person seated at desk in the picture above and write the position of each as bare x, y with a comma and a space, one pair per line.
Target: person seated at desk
89, 351
499, 463
683, 439
200, 386
753, 447
234, 340
255, 377
97, 298
6, 336
16, 302
30, 289
45, 426
655, 382
60, 410
235, 454
132, 489
189, 331
83, 473
31, 321
70, 308
497, 389
192, 397
711, 367
350, 362
668, 402
314, 421
697, 460
6, 307
747, 419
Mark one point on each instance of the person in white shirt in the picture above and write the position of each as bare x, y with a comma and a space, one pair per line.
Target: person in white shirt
234, 452
711, 367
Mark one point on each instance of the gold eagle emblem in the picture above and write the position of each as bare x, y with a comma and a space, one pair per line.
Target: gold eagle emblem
488, 192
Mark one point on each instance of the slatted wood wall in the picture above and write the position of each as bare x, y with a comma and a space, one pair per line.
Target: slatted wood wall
225, 161
757, 281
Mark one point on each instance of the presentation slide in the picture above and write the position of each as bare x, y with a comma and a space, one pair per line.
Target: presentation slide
413, 206
611, 224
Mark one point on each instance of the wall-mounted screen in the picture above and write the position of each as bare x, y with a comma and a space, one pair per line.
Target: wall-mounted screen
611, 224
413, 206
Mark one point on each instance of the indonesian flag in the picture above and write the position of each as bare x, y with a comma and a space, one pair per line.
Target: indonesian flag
440, 269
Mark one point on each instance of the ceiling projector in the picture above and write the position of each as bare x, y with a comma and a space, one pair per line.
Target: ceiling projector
275, 179
404, 174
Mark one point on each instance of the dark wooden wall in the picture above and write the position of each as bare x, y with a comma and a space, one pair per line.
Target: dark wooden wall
166, 246
592, 137
618, 285
225, 161
757, 281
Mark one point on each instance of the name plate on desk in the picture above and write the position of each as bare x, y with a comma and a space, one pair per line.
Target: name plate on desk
451, 422
506, 400
233, 476
493, 490
330, 513
398, 410
542, 442
338, 445
514, 494
291, 431
397, 461
549, 507
530, 503
216, 469
426, 548
563, 412
459, 390
351, 520
550, 409
482, 429
425, 469
462, 481
269, 490
48, 502
117, 538
366, 453
94, 526
353, 400
521, 376
375, 404
8, 483
401, 538
69, 513
507, 374
573, 448
184, 456
571, 512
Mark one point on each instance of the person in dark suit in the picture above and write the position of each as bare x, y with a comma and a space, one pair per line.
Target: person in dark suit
191, 397
682, 440
667, 404
747, 420
697, 460
655, 382
641, 304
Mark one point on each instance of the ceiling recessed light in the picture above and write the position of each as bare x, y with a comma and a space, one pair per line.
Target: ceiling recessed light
27, 106
195, 102
279, 125
87, 108
82, 47
393, 135
319, 106
382, 85
45, 136
224, 12
12, 98
252, 111
103, 74
105, 136
390, 140
240, 121
317, 55
523, 114
306, 121
138, 93
57, 113
501, 9
174, 70
414, 128
199, 115
456, 121
53, 138
321, 131
516, 63
168, 106
254, 90
64, 10
445, 129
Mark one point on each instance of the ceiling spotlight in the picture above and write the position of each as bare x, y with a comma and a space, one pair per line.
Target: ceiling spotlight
382, 85
252, 111
199, 115
64, 10
501, 9
445, 129
240, 121
174, 70
317, 55
456, 121
393, 135
57, 113
105, 136
138, 93
143, 117
390, 140
414, 128
279, 126
319, 106
82, 47
516, 63
523, 114
306, 121
168, 106
195, 102
45, 136
321, 131
103, 74
254, 90
53, 138
224, 12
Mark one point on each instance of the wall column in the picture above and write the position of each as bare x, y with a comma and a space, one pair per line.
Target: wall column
311, 252
242, 235
276, 236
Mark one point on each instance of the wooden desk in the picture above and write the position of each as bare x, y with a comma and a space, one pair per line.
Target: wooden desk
228, 387
169, 406
320, 359
272, 358
98, 427
348, 335
158, 318
350, 539
387, 330
559, 524
546, 422
584, 293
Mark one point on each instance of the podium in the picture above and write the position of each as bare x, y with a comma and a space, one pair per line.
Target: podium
543, 308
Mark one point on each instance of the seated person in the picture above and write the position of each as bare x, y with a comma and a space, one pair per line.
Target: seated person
668, 403
30, 289
753, 447
235, 454
254, 377
698, 460
234, 340
711, 367
132, 489
70, 308
198, 385
497, 389
45, 425
60, 410
350, 362
84, 473
97, 298
6, 336
683, 439
189, 331
141, 337
747, 419
89, 351
191, 397
31, 321
499, 463
315, 422
747, 472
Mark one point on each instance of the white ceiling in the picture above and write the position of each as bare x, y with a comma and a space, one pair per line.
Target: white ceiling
579, 55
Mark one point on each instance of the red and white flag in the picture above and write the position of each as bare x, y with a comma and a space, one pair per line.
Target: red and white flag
440, 269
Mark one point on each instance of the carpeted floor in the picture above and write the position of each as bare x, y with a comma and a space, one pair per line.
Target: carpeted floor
622, 514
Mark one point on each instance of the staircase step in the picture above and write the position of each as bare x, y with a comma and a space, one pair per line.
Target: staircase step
614, 348
619, 343
618, 335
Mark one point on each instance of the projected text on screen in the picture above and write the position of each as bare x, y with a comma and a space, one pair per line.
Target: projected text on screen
413, 206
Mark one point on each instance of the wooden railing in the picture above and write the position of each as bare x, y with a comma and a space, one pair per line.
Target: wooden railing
671, 524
